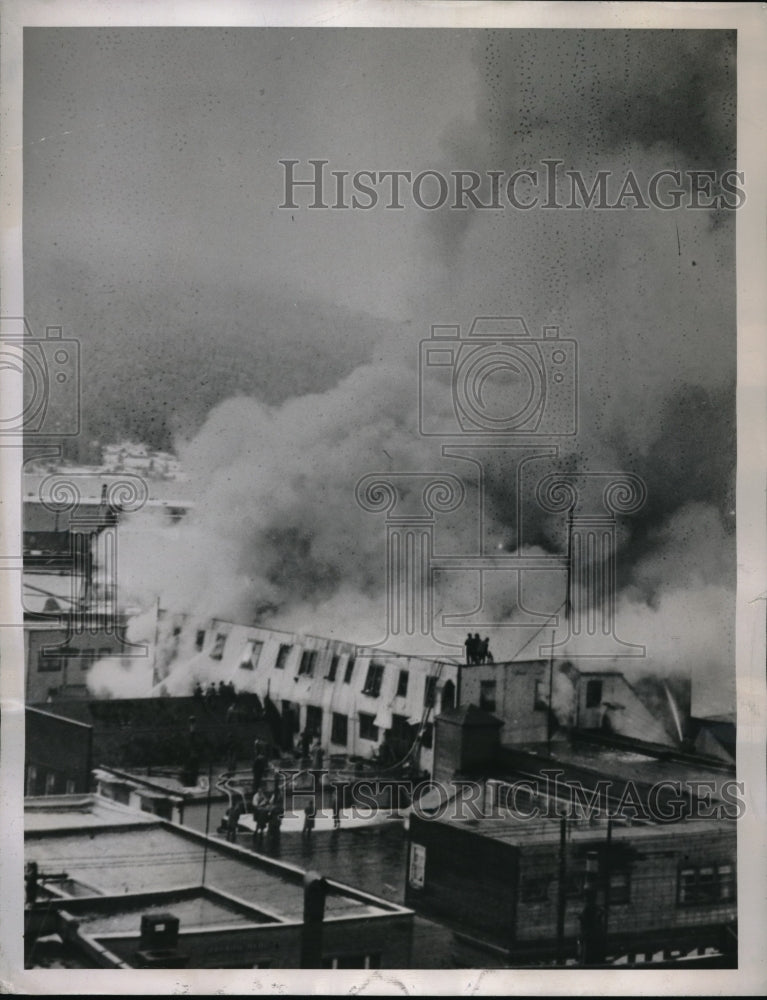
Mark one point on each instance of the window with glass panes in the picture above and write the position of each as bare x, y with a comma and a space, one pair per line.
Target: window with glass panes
698, 885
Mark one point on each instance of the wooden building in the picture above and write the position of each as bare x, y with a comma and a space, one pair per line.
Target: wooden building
514, 890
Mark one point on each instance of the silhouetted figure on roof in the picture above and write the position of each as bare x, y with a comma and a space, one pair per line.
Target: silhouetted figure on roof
261, 809
191, 770
337, 797
470, 648
274, 824
259, 764
235, 811
477, 648
310, 813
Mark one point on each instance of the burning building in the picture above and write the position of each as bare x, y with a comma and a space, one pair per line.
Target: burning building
355, 701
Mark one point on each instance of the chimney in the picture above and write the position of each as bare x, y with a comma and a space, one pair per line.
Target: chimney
158, 945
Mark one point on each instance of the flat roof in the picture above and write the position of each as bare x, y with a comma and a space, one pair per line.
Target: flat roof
609, 762
525, 832
89, 483
126, 851
46, 813
196, 909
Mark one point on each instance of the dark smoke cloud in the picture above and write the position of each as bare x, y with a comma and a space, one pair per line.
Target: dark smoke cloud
290, 414
657, 346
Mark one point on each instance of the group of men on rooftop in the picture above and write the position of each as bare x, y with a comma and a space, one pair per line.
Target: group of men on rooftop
477, 650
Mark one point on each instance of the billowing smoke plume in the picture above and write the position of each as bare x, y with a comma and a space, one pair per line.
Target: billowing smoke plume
648, 295
115, 677
129, 677
276, 535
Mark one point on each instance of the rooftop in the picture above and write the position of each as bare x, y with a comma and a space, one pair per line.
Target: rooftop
38, 485
195, 907
78, 812
547, 830
584, 761
116, 850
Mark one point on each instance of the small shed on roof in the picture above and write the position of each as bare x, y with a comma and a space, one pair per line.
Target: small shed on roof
466, 737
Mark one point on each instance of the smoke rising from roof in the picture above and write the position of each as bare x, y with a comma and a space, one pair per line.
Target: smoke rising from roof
281, 400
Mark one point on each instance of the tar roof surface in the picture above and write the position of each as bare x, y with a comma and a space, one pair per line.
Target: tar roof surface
611, 762
154, 857
192, 912
62, 812
519, 831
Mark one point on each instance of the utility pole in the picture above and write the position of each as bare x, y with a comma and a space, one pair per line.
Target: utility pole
562, 891
551, 689
156, 643
608, 858
207, 822
591, 950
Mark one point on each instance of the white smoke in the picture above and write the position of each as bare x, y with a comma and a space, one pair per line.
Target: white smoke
120, 677
563, 698
276, 536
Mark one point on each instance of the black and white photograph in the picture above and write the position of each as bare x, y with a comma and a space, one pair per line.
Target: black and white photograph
383, 498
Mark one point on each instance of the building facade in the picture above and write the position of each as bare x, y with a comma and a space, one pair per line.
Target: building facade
356, 701
58, 754
507, 886
60, 652
519, 693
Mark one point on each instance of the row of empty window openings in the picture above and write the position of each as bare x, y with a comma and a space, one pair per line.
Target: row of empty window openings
401, 731
368, 730
488, 702
307, 664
